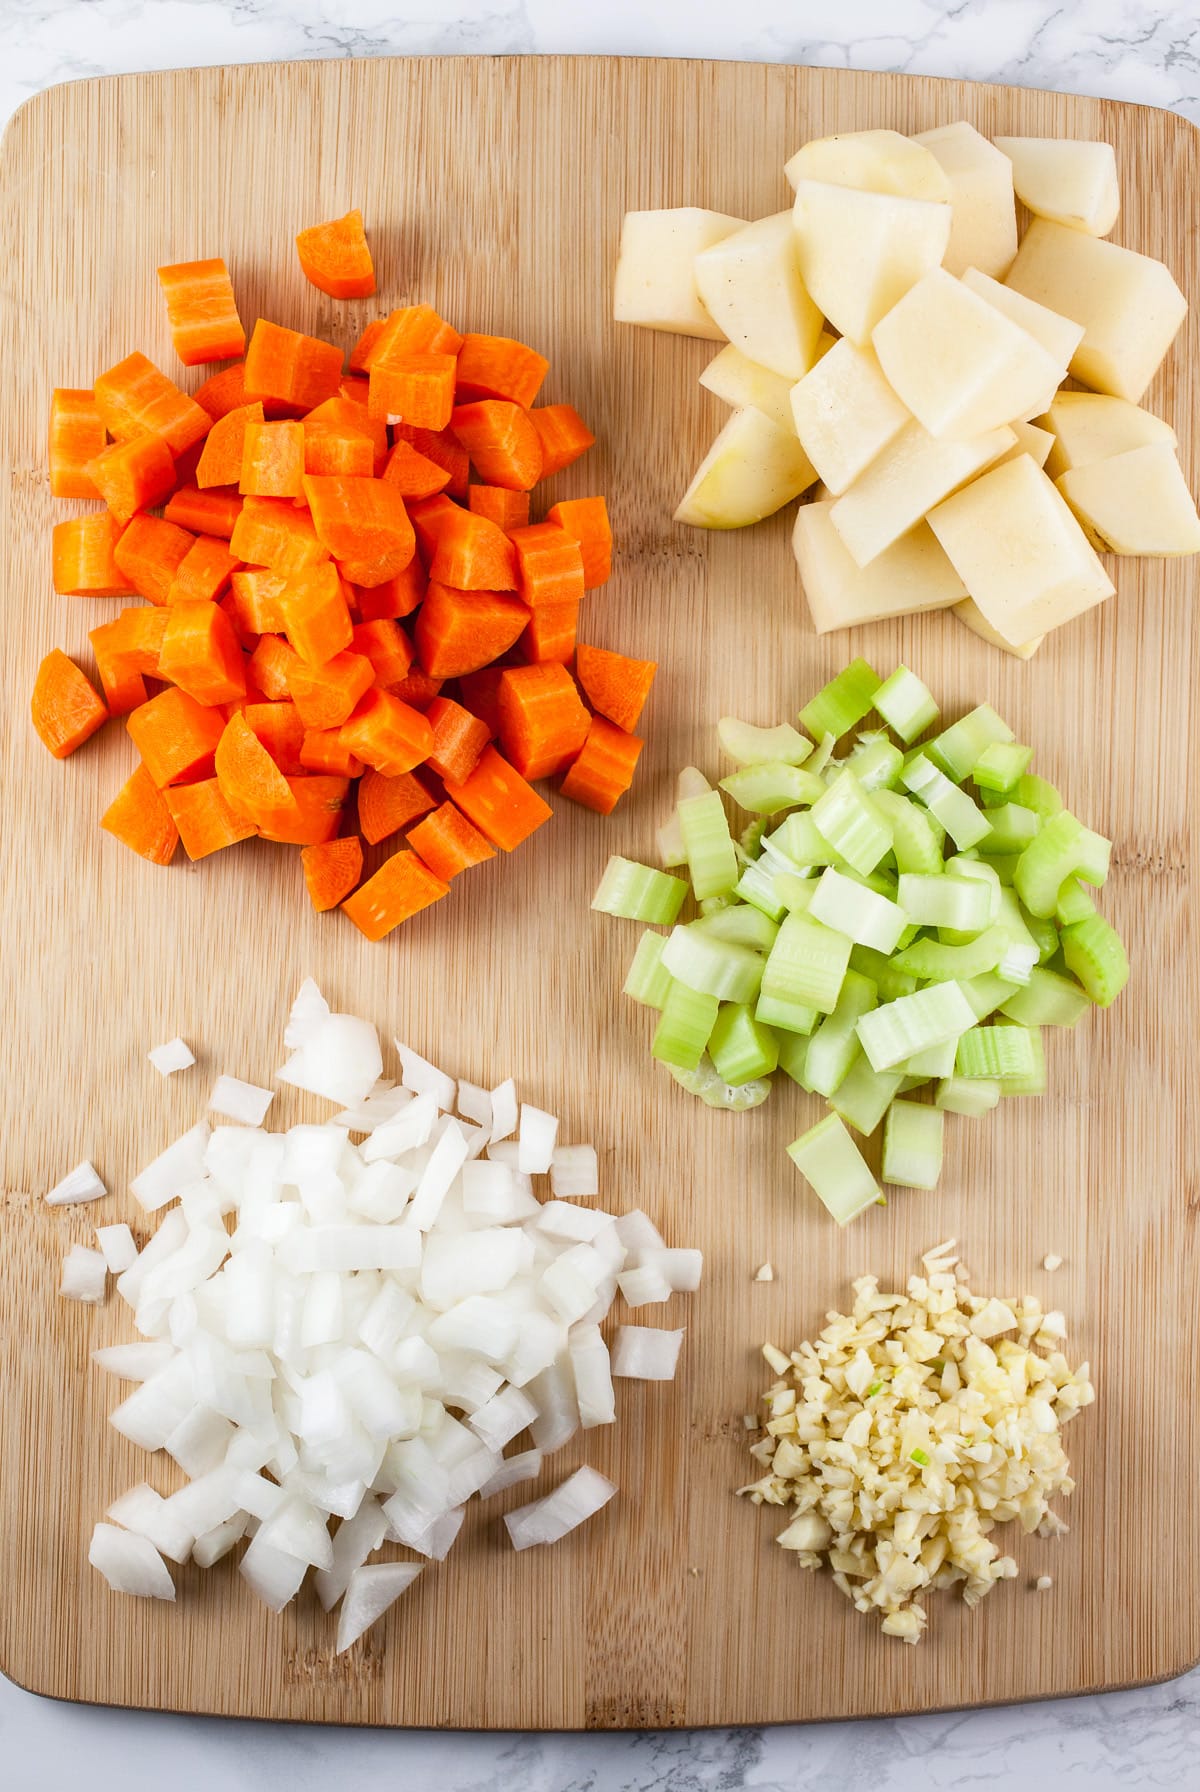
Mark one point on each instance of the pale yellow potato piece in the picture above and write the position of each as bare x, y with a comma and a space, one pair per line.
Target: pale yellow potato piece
1129, 305
751, 287
958, 363
860, 252
1020, 553
873, 162
845, 413
1135, 503
655, 282
983, 230
752, 469
968, 611
1090, 426
1066, 179
913, 574
733, 377
825, 341
1058, 335
1031, 440
914, 472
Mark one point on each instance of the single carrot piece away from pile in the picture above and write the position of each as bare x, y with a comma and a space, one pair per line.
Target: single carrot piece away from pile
358, 627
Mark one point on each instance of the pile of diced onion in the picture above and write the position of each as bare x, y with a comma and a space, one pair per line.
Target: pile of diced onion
355, 1320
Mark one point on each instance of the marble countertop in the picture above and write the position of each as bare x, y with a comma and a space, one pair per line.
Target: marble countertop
1144, 50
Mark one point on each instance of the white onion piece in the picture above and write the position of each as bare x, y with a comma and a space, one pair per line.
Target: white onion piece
308, 1008
240, 1101
356, 1538
200, 1440
502, 1418
118, 1248
638, 1233
574, 1171
424, 1078
383, 1102
340, 1059
182, 1162
642, 1353
274, 1575
539, 1131
504, 1109
174, 1055
483, 1262
681, 1269
447, 1159
298, 1529
581, 1224
507, 1152
407, 1131
146, 1512
84, 1276
547, 1520
645, 1286
493, 1191
208, 1501
553, 1393
526, 1466
78, 1185
369, 1594
593, 1377
129, 1563
133, 1362
475, 1104
214, 1545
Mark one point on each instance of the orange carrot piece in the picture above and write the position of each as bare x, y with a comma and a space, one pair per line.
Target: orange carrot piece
604, 769
356, 387
323, 750
203, 573
271, 532
417, 689
397, 596
387, 647
439, 446
387, 733
254, 595
508, 510
419, 389
134, 475
360, 353
551, 634
316, 619
272, 665
280, 729
549, 565
284, 364
127, 649
586, 521
201, 653
461, 631
412, 330
134, 397
66, 707
226, 391
82, 557
562, 434
385, 805
448, 843
326, 695
499, 801
335, 258
458, 739
501, 441
202, 311
204, 513
272, 460
138, 816
543, 722
414, 475
176, 736
332, 868
364, 524
615, 686
204, 818
149, 553
77, 436
251, 782
225, 445
337, 453
317, 816
480, 693
462, 549
498, 367
348, 416
401, 888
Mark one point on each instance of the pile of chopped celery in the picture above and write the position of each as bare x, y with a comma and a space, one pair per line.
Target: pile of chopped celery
896, 918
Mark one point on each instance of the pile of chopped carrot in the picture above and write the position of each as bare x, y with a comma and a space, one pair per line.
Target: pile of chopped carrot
353, 627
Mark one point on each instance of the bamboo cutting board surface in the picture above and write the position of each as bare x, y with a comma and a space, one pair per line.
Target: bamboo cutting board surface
495, 189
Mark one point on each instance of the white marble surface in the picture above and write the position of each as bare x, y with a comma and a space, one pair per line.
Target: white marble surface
1146, 50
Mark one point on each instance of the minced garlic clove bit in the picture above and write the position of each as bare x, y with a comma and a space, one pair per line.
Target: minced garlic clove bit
765, 1273
1051, 1262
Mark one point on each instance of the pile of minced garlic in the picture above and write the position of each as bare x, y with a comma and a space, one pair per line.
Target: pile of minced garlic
912, 1427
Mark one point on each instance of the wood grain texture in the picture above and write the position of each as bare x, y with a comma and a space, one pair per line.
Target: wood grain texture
495, 189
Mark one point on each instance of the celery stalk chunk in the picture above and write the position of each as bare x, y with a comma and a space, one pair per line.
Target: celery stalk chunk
648, 980
799, 840
834, 1046
1001, 764
876, 762
793, 1058
884, 973
636, 892
912, 1144
1047, 1000
931, 962
712, 967
684, 1026
987, 993
961, 903
771, 786
787, 1017
998, 1051
861, 914
841, 703
807, 964
749, 745
1074, 904
756, 887
714, 1093
906, 704
1064, 848
829, 1159
740, 1047
1037, 794
1033, 1080
1093, 950
973, 1096
1014, 827
863, 1096
957, 749
739, 924
795, 893
965, 824
937, 1061
849, 821
712, 862
914, 842
912, 1024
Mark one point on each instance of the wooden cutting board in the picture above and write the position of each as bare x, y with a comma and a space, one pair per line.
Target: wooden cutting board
495, 189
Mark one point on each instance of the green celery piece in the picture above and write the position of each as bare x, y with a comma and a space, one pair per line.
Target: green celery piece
795, 893
807, 964
963, 866
829, 1159
1033, 1080
636, 892
834, 1045
862, 914
793, 1058
912, 1024
1074, 903
974, 1096
938, 1061
1064, 848
740, 1047
930, 962
704, 1082
998, 1051
1012, 917
712, 967
849, 821
711, 859
799, 839
768, 788
1013, 828
1093, 950
683, 1029
1001, 764
952, 807
957, 749
1035, 793
912, 1082
1044, 934
822, 753
750, 838
914, 841
757, 887
1004, 864
889, 980
906, 704
1048, 1000
876, 762
740, 924
864, 1095
844, 701
716, 905
749, 745
648, 981
786, 1017
962, 903
987, 993
912, 1144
